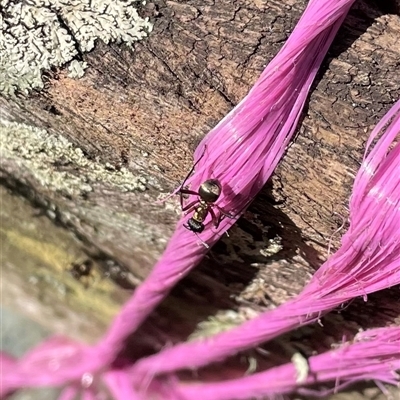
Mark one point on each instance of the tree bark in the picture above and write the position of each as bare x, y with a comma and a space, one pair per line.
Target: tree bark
139, 112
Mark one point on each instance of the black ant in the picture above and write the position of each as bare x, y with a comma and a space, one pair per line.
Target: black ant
208, 193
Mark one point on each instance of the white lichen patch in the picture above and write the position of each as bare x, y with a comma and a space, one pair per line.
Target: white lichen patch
76, 69
274, 246
59, 165
255, 292
301, 366
221, 322
36, 35
242, 244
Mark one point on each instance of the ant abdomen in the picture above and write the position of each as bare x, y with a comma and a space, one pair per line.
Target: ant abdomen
195, 226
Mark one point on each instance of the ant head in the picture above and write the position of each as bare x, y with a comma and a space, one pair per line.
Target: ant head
210, 190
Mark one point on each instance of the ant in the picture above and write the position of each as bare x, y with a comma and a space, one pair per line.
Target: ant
208, 193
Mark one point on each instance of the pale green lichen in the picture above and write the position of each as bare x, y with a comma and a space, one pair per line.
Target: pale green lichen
36, 35
39, 152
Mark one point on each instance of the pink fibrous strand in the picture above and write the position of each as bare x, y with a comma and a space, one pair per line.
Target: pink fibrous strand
367, 261
372, 355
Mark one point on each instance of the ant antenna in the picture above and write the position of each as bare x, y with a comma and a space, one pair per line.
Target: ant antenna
194, 166
183, 183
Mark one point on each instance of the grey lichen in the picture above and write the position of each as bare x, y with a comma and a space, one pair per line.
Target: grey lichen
36, 35
39, 152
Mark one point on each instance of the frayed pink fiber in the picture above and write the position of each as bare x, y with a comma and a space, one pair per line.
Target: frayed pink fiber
53, 362
368, 261
120, 386
373, 355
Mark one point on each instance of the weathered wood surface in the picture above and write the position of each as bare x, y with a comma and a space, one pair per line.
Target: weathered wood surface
144, 109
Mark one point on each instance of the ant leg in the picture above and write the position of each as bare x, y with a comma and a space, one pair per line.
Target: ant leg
190, 206
216, 220
229, 215
225, 213
191, 170
187, 191
181, 193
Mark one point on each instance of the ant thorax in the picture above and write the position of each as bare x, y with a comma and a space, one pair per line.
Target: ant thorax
201, 212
